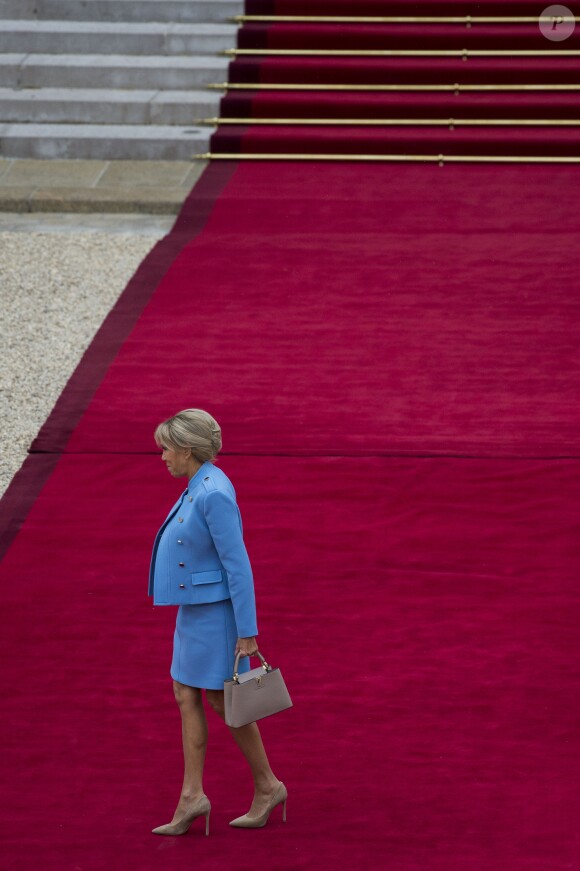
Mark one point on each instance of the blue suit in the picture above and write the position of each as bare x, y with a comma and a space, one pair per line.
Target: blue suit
199, 555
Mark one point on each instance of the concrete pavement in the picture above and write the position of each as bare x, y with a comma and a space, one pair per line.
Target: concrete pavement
92, 186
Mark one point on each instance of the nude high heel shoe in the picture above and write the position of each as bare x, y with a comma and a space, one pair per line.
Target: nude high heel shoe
201, 808
279, 797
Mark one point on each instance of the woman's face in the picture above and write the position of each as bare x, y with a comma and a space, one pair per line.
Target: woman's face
176, 460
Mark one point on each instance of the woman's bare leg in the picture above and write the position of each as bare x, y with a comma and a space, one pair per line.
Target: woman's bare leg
194, 734
249, 741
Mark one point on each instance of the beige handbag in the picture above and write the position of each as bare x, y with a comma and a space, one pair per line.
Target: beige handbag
254, 694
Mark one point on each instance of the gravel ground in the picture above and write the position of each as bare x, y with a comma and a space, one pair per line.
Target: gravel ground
56, 288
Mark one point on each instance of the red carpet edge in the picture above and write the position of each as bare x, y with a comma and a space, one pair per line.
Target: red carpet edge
74, 399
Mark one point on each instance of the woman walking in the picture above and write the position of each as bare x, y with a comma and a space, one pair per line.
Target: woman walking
200, 563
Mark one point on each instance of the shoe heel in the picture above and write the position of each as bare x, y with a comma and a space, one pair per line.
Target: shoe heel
207, 823
284, 811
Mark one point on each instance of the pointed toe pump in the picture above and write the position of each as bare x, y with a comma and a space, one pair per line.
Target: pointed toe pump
248, 822
201, 808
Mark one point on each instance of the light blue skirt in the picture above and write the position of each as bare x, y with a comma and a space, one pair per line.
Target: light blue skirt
204, 645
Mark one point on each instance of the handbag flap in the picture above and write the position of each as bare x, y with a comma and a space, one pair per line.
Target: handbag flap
250, 675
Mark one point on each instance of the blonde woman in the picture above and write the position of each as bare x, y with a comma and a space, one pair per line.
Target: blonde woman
200, 563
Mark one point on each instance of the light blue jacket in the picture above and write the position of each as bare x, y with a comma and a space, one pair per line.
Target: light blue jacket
199, 555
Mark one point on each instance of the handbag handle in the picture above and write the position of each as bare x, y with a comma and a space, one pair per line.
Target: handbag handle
265, 665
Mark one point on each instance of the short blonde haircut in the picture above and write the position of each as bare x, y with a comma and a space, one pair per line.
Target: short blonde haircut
192, 428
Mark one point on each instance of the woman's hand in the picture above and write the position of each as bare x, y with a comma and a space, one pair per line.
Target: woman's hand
246, 646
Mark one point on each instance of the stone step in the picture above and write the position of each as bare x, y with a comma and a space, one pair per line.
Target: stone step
9, 69
103, 141
122, 10
96, 106
98, 37
111, 79
111, 71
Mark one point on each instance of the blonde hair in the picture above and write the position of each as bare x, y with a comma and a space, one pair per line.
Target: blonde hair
192, 428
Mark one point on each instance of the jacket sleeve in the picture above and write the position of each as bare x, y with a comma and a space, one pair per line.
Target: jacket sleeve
225, 526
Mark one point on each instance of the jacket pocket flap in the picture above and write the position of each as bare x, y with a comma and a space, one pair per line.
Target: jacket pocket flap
210, 577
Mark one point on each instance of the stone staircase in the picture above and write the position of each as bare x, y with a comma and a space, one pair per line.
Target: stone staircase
111, 79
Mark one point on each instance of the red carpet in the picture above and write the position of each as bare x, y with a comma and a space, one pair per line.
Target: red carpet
380, 37
425, 614
498, 141
405, 70
391, 352
382, 8
437, 302
383, 105
492, 68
